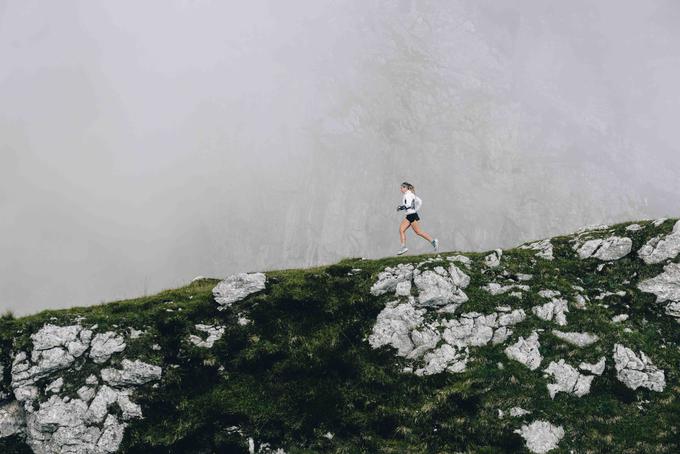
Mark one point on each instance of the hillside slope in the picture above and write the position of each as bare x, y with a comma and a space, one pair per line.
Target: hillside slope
570, 344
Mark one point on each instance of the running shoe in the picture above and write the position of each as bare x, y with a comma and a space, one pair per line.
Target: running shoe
435, 244
402, 250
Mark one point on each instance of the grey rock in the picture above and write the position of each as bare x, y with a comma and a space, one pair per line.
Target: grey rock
673, 309
516, 412
423, 339
555, 309
596, 368
620, 318
104, 345
51, 336
526, 351
578, 339
390, 277
112, 435
458, 277
86, 393
568, 380
634, 228
666, 286
403, 288
444, 358
637, 371
549, 293
612, 248
136, 333
215, 333
435, 288
580, 301
541, 436
130, 409
11, 419
661, 248
237, 287
498, 289
133, 373
603, 295
394, 325
55, 386
544, 248
494, 259
98, 408
91, 380
460, 258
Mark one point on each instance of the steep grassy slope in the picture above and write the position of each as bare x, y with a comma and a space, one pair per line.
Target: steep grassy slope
301, 375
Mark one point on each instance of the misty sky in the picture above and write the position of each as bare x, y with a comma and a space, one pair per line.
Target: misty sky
143, 143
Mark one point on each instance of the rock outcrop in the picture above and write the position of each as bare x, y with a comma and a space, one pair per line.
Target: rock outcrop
238, 286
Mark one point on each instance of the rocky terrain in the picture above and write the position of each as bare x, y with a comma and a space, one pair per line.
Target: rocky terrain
569, 344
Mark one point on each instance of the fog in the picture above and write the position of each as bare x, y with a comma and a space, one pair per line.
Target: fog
143, 143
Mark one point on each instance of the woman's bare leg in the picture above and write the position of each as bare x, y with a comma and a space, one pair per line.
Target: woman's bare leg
416, 228
402, 230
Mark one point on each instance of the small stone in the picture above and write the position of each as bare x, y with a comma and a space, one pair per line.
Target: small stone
526, 351
541, 436
620, 318
578, 339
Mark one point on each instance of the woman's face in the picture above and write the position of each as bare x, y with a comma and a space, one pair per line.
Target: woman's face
403, 189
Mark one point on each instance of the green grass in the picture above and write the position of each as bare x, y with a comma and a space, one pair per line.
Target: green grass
303, 367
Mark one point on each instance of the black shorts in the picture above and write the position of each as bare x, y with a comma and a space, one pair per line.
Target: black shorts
413, 217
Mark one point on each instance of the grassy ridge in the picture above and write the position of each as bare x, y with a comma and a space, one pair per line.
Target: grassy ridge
302, 367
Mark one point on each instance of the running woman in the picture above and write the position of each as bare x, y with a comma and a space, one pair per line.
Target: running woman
412, 218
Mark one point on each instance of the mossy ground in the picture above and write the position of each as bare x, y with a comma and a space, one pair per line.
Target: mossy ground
303, 367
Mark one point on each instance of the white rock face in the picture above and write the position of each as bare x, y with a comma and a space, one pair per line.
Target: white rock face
596, 368
133, 373
394, 325
526, 351
237, 287
555, 309
494, 259
660, 248
612, 248
11, 419
541, 436
635, 371
544, 248
475, 329
215, 333
666, 286
568, 380
436, 288
104, 345
54, 348
444, 358
578, 339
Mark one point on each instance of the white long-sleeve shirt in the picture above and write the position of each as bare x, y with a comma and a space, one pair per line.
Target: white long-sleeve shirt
409, 200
